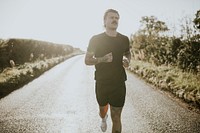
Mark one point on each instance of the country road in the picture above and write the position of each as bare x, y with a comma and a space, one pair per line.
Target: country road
62, 100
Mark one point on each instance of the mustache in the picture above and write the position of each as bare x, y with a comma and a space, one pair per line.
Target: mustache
114, 22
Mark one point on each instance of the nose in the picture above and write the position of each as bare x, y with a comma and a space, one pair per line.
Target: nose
116, 18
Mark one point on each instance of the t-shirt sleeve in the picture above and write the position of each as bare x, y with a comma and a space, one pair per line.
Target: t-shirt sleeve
91, 46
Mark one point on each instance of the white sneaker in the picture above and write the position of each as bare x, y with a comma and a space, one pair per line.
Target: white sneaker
104, 124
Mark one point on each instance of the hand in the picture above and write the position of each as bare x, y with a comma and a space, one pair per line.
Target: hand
106, 58
125, 62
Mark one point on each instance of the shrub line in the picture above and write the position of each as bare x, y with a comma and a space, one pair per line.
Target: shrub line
181, 84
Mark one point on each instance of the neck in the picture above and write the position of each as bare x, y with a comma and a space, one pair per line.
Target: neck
112, 33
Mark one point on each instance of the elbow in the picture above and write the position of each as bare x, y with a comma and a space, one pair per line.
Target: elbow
87, 62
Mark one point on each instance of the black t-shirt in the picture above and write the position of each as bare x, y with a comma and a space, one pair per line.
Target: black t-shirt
103, 44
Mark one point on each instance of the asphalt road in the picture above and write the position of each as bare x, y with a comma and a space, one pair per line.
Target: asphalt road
62, 100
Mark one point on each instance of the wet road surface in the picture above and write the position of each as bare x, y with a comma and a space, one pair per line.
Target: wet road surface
62, 100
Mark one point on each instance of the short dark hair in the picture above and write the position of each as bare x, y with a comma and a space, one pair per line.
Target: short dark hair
110, 10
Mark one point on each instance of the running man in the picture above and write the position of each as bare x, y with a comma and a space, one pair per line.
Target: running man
109, 52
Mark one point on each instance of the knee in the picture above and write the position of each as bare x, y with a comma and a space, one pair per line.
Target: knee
115, 118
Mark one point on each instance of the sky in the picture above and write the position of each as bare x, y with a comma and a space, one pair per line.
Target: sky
74, 22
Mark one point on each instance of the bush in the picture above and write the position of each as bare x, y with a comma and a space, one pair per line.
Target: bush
27, 50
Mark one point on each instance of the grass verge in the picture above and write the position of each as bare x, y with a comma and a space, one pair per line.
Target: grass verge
14, 78
183, 85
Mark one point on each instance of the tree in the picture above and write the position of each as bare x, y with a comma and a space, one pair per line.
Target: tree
152, 26
148, 44
197, 20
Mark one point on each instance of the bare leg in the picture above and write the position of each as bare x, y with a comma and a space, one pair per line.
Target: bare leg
103, 111
116, 119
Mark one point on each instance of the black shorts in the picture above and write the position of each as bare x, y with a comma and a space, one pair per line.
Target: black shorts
113, 94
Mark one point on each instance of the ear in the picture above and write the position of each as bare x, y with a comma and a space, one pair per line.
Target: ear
104, 23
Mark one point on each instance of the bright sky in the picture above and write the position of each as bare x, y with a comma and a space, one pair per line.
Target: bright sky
74, 22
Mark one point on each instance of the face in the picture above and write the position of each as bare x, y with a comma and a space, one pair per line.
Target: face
111, 21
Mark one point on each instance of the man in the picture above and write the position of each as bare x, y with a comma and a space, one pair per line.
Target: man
109, 52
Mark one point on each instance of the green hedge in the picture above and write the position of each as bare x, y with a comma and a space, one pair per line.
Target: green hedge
26, 50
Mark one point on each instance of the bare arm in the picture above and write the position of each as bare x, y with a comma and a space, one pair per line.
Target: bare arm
127, 59
91, 60
128, 55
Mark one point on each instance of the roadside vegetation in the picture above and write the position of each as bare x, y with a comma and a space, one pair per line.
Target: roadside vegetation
169, 62
23, 60
184, 85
